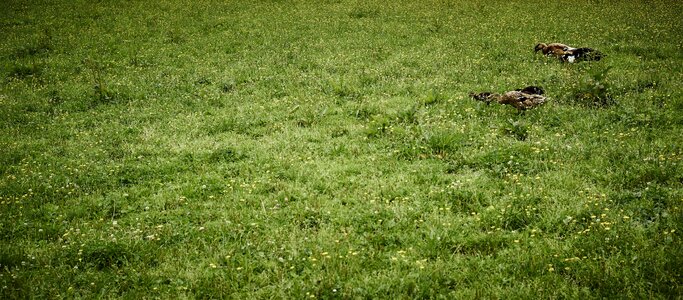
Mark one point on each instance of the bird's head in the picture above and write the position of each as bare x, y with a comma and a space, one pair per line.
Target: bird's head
540, 46
481, 96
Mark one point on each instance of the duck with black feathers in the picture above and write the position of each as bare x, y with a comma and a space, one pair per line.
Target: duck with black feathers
581, 54
554, 49
522, 99
567, 53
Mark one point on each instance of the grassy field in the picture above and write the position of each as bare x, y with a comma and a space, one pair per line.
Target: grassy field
329, 149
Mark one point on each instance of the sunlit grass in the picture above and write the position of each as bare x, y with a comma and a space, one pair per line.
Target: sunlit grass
285, 149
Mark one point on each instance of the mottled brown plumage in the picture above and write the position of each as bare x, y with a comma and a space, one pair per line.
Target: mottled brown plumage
581, 54
486, 97
568, 54
554, 49
522, 99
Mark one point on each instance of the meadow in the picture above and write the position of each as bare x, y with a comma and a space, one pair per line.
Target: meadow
329, 149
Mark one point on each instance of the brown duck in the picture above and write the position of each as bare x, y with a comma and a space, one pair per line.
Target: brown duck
554, 49
568, 54
522, 99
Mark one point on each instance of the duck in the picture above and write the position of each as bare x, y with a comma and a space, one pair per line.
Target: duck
486, 97
554, 49
567, 53
581, 54
532, 89
522, 99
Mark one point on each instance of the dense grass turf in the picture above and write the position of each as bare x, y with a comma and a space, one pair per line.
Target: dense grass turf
328, 149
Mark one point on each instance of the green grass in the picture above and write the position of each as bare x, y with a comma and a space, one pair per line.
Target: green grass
328, 149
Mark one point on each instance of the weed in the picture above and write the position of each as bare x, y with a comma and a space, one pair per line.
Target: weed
41, 46
363, 12
227, 154
11, 257
103, 95
377, 127
22, 72
593, 89
108, 255
519, 129
444, 143
228, 87
433, 97
343, 89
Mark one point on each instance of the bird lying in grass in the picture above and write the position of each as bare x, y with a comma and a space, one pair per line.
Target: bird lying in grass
532, 89
554, 49
581, 54
522, 99
568, 54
